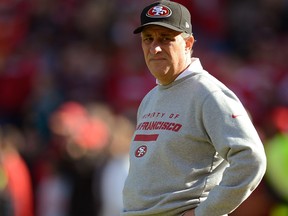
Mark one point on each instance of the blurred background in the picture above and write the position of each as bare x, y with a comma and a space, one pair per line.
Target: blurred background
72, 75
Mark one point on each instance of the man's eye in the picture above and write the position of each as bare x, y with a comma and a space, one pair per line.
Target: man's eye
148, 39
167, 39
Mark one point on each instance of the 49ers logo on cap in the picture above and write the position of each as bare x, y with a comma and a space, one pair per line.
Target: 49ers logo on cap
159, 11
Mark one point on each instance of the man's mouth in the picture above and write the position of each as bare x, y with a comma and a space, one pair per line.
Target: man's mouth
157, 59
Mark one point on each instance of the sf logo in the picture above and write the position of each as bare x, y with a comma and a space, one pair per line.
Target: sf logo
159, 11
141, 151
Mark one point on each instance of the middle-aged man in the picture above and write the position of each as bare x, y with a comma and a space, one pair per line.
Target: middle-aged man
194, 150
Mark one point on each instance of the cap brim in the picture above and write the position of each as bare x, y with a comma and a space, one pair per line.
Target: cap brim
140, 28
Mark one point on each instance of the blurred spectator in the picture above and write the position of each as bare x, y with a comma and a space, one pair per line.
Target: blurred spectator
6, 208
18, 175
77, 149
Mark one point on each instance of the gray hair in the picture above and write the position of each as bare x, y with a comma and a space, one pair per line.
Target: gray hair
185, 36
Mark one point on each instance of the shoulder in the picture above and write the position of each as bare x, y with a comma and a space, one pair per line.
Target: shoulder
207, 82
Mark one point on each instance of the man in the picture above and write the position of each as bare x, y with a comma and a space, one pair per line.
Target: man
195, 150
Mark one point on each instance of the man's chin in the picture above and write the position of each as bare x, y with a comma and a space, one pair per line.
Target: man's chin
158, 65
159, 71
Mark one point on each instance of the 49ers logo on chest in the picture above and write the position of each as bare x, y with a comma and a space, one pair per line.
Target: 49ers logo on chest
141, 151
159, 11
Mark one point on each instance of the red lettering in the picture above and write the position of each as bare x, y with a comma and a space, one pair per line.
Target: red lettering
165, 125
159, 125
152, 125
177, 116
177, 127
144, 126
139, 126
171, 125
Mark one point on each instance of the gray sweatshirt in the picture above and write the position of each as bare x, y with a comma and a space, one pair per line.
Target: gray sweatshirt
194, 147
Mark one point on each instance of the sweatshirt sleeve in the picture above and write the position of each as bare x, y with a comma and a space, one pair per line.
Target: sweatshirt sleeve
234, 137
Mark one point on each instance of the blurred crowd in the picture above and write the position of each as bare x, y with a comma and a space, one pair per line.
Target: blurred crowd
72, 75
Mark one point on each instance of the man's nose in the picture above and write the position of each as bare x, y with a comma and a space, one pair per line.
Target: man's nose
155, 48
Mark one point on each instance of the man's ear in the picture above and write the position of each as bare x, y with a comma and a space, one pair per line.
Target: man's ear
189, 43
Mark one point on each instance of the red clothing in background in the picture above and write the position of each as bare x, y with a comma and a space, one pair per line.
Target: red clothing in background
19, 184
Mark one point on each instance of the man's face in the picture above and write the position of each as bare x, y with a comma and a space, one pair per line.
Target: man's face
165, 52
